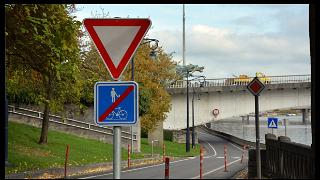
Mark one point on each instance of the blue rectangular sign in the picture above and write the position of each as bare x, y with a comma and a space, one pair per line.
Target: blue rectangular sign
116, 103
273, 123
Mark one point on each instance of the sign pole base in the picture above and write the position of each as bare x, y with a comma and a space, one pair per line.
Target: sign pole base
116, 152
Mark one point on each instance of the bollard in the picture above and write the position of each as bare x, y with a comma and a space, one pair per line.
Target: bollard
201, 161
152, 148
166, 174
225, 157
244, 147
164, 152
66, 161
129, 156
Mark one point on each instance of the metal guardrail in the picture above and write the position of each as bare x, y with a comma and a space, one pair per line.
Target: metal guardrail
63, 121
286, 159
229, 82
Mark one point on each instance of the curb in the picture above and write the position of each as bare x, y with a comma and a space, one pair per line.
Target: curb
54, 173
242, 174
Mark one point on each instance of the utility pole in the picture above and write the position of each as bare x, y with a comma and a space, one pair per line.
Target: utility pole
183, 39
193, 136
132, 79
184, 63
255, 87
258, 157
188, 132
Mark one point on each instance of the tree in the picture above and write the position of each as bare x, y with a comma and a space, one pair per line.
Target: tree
153, 76
42, 47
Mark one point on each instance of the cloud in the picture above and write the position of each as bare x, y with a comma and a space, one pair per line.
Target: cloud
224, 52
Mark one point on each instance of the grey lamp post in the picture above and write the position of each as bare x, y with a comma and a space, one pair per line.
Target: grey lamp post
153, 56
194, 68
188, 133
193, 132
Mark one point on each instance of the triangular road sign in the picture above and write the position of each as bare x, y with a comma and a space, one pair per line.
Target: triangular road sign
272, 124
116, 40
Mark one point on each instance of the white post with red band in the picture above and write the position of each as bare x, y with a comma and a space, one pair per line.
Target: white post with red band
129, 158
225, 157
166, 173
201, 161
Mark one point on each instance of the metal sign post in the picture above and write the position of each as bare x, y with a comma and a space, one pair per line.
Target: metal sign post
285, 127
273, 123
116, 152
116, 103
256, 100
255, 87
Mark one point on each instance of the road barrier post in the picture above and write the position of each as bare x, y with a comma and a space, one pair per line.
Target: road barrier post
152, 148
244, 147
166, 175
129, 156
66, 161
164, 152
201, 161
225, 157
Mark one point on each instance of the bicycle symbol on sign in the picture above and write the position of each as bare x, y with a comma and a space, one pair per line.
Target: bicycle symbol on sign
118, 114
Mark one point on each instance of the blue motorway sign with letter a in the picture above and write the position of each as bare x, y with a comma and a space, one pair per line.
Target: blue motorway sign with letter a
116, 103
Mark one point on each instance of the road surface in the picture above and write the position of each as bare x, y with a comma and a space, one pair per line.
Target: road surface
189, 168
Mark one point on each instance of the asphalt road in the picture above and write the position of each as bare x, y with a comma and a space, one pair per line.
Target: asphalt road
189, 168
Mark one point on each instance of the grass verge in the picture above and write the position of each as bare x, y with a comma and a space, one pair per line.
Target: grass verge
26, 154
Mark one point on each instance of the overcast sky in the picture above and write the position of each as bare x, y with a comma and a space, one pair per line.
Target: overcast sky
225, 39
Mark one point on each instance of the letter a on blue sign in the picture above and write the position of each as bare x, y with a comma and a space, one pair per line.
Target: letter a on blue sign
116, 103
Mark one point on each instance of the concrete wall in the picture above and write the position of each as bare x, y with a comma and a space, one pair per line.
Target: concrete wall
233, 102
180, 136
156, 136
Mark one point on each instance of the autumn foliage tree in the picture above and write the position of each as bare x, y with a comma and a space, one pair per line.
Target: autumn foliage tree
42, 56
153, 76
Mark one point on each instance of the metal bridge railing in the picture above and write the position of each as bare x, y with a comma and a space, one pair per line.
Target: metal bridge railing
246, 81
67, 121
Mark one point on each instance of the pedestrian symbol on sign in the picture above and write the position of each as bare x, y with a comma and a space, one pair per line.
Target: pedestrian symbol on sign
113, 95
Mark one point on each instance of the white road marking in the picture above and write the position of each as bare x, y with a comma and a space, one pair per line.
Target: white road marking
220, 157
215, 169
89, 177
236, 146
215, 152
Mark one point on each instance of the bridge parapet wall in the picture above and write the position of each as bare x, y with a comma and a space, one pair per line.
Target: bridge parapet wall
286, 159
233, 101
229, 81
183, 90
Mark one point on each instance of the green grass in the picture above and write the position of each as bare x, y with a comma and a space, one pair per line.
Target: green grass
26, 154
172, 149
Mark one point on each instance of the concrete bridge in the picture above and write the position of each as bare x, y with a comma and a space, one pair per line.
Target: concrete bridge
230, 100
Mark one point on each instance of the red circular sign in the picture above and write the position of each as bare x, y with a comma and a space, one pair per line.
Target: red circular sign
215, 112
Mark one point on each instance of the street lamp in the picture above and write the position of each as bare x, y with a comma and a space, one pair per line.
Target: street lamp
153, 45
153, 56
201, 86
190, 69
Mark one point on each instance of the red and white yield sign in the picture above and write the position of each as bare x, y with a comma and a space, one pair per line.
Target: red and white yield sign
255, 86
117, 40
